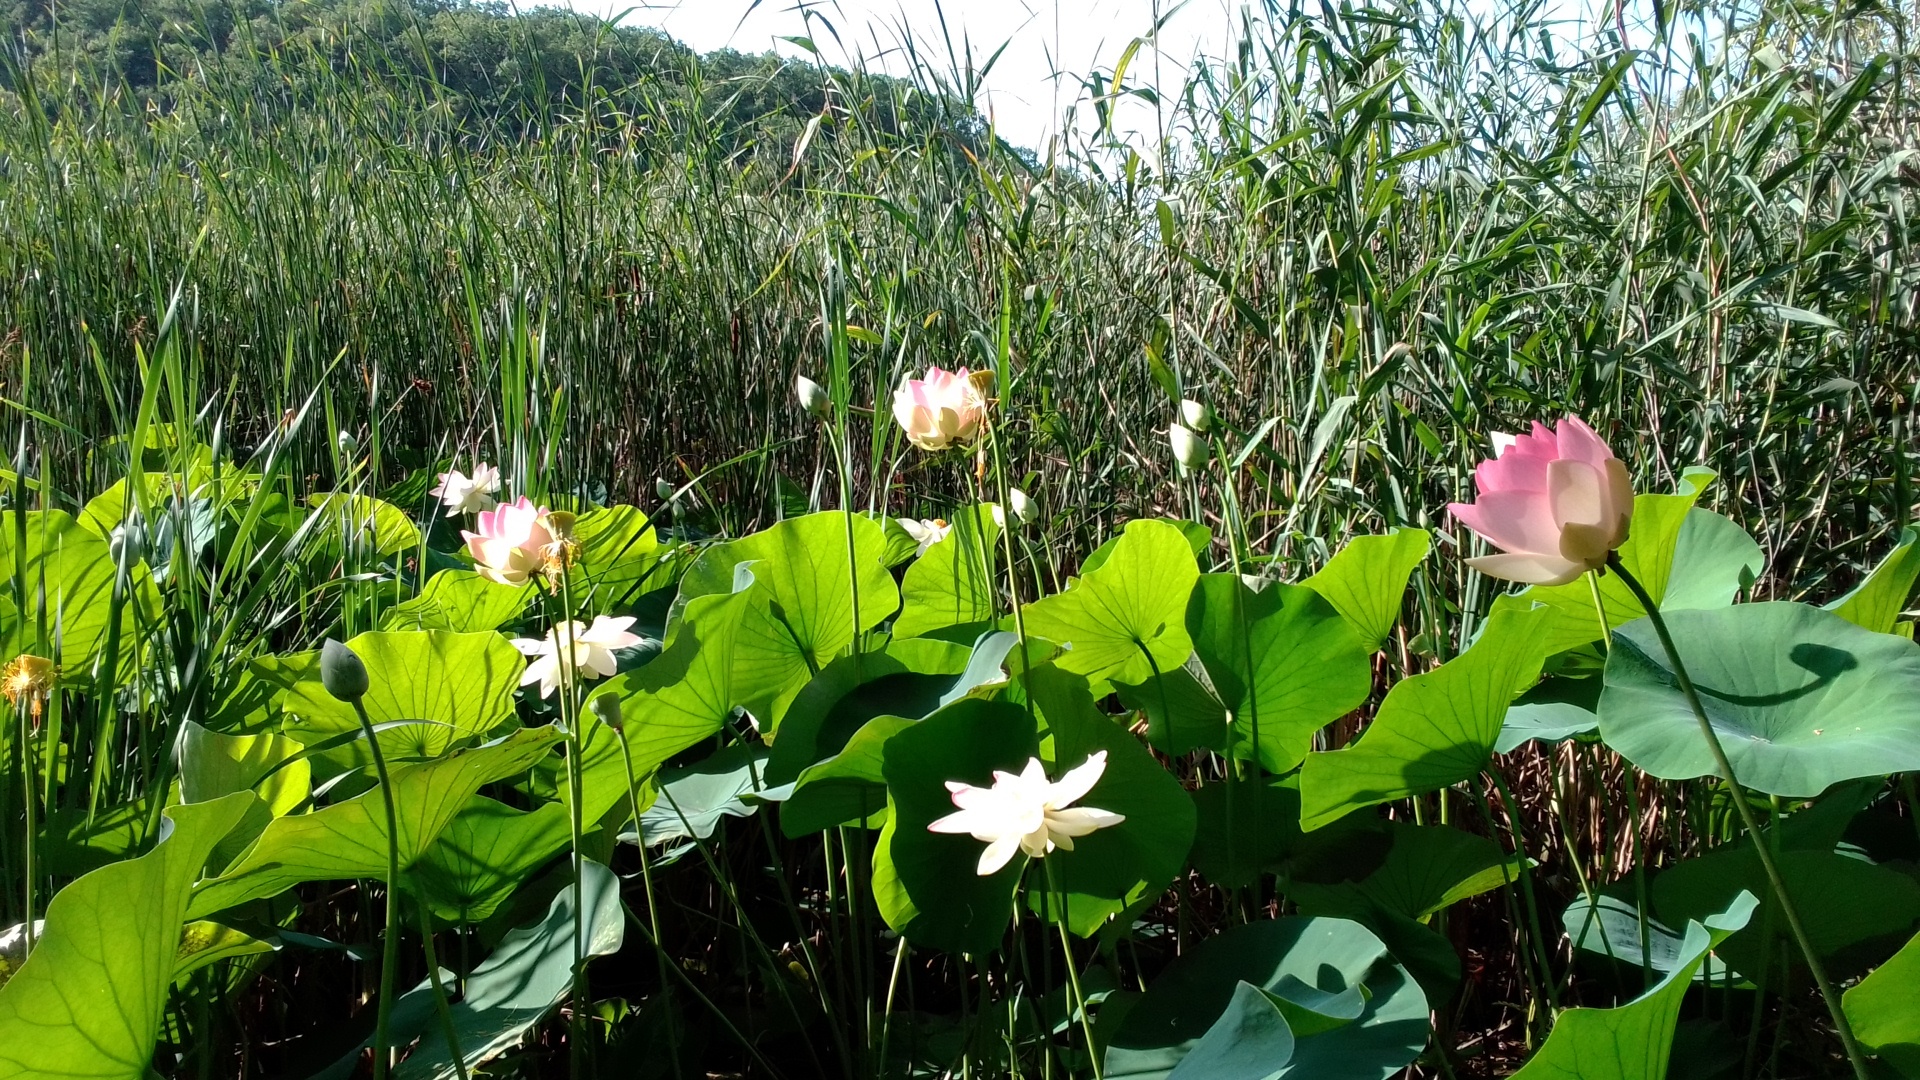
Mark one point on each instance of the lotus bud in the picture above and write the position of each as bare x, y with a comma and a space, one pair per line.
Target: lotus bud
1196, 415
812, 396
1188, 449
341, 672
128, 543
348, 444
607, 708
663, 489
1023, 509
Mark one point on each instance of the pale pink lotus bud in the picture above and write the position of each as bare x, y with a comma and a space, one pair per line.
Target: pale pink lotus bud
513, 543
1555, 501
946, 408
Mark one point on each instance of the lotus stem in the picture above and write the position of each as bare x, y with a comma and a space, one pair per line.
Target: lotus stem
1855, 1057
390, 956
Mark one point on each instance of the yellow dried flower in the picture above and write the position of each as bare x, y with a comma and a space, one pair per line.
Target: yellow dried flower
31, 678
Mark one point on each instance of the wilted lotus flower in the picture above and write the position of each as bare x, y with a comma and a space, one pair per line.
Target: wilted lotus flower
573, 647
514, 543
943, 409
1188, 449
925, 533
29, 678
1555, 501
1026, 812
464, 494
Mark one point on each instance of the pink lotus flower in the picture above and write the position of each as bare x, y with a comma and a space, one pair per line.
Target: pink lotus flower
515, 541
944, 409
1555, 501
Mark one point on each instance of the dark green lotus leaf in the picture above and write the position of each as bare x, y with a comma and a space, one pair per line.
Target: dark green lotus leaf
929, 889
1304, 966
486, 851
1801, 698
1251, 1041
907, 678
1634, 1041
1122, 865
1245, 828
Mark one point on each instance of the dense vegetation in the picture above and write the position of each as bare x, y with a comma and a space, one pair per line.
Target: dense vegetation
269, 270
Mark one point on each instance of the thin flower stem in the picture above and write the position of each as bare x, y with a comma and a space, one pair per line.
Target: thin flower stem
440, 991
646, 881
1073, 972
1855, 1057
390, 957
26, 783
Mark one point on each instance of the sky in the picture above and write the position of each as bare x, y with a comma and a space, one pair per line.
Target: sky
1021, 92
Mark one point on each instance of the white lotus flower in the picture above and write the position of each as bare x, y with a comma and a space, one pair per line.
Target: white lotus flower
1027, 812
1188, 450
925, 533
464, 494
572, 647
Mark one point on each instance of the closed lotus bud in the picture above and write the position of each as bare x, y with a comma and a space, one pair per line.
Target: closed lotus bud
663, 489
1196, 415
1023, 509
1188, 449
128, 544
607, 708
341, 672
812, 396
348, 444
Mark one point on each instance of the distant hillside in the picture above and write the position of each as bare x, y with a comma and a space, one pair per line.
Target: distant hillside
482, 65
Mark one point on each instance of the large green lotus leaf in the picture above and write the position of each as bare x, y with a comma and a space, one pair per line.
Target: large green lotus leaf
461, 601
460, 685
1827, 889
619, 557
1245, 829
1198, 536
1609, 925
947, 905
907, 678
1308, 965
1420, 870
359, 521
1433, 729
1250, 1041
1121, 865
1184, 713
1281, 660
349, 839
1558, 708
1876, 603
1884, 1009
213, 766
88, 1002
849, 788
1801, 698
693, 799
1366, 582
1714, 563
71, 570
803, 563
953, 583
1648, 553
1126, 620
1633, 1042
529, 973
484, 853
